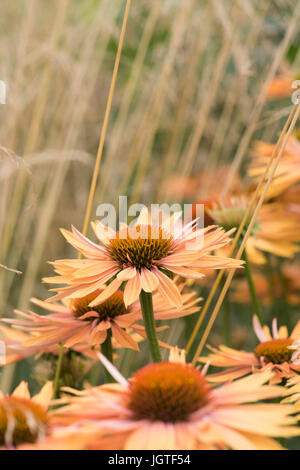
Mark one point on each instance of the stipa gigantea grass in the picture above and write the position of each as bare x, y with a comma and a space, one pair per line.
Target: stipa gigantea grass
71, 121
293, 118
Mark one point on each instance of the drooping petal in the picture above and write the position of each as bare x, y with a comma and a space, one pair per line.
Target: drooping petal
126, 274
104, 233
149, 281
22, 390
44, 397
168, 289
123, 338
132, 290
107, 292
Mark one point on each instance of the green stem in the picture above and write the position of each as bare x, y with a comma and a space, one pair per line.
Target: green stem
107, 351
252, 289
283, 303
58, 371
226, 322
148, 315
270, 275
127, 362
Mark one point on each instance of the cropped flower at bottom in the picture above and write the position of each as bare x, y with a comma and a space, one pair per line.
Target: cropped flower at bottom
171, 406
26, 423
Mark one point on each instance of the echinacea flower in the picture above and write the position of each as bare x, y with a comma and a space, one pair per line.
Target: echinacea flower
281, 86
276, 231
13, 340
26, 422
139, 256
292, 389
80, 324
200, 185
15, 350
228, 212
24, 419
170, 405
291, 199
288, 170
273, 352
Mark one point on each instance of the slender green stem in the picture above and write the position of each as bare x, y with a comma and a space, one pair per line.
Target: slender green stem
148, 315
225, 317
270, 275
252, 289
58, 371
226, 322
283, 305
127, 362
107, 351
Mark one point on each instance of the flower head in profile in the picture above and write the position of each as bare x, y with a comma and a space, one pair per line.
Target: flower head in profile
274, 352
276, 230
13, 340
16, 350
228, 212
81, 327
170, 405
140, 256
288, 170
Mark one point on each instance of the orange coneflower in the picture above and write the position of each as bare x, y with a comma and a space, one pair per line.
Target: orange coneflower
140, 256
15, 350
26, 423
81, 325
76, 363
228, 211
185, 186
293, 386
281, 86
170, 405
291, 199
288, 170
200, 185
276, 231
24, 419
273, 352
13, 340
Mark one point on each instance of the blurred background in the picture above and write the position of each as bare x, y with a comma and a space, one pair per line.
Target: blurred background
192, 95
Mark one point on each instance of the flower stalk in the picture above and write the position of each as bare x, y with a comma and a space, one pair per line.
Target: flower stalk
283, 305
252, 289
57, 372
148, 316
226, 322
107, 351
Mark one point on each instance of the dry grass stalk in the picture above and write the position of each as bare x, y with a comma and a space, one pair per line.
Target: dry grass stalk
253, 203
295, 114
